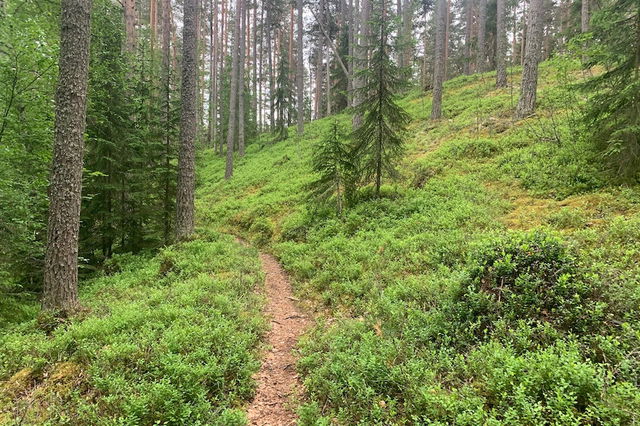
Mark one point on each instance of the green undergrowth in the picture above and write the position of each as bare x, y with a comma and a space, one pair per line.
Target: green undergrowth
169, 339
495, 282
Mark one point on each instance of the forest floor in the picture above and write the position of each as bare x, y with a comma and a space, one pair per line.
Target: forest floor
278, 383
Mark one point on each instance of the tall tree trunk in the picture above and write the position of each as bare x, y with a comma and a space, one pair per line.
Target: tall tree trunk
466, 68
130, 20
501, 45
523, 42
153, 22
224, 29
254, 61
61, 258
188, 123
241, 64
481, 60
300, 69
318, 83
439, 59
584, 16
233, 96
213, 74
270, 64
407, 33
447, 27
362, 55
166, 89
527, 102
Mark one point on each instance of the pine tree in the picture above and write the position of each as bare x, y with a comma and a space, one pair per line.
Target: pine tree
529, 86
379, 140
613, 113
439, 58
186, 166
334, 166
61, 259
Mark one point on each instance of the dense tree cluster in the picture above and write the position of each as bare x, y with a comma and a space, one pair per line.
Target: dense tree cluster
241, 68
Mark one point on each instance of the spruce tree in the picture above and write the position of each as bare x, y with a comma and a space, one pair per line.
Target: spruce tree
332, 162
613, 113
283, 98
379, 140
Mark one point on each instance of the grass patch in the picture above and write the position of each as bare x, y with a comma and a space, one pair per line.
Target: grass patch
169, 339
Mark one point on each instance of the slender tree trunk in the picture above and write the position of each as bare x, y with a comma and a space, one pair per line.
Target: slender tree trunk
467, 36
501, 45
213, 77
166, 78
61, 257
254, 61
527, 102
300, 69
318, 84
523, 42
130, 20
481, 60
241, 65
188, 123
233, 97
362, 57
270, 65
439, 58
407, 34
447, 27
153, 22
584, 16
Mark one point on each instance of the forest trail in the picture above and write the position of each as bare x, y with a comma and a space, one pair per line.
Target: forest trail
277, 379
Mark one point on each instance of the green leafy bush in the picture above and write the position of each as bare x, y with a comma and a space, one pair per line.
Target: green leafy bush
531, 277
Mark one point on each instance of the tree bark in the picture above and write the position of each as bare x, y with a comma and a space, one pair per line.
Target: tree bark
439, 59
61, 257
481, 60
130, 20
467, 37
300, 69
501, 45
166, 89
527, 101
241, 59
188, 123
213, 74
584, 16
233, 97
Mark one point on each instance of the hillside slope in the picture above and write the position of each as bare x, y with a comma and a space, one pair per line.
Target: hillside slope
496, 282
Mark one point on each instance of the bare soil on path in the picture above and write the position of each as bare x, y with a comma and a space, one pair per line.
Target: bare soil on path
277, 380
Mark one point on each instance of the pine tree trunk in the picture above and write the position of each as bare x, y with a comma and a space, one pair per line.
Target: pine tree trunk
584, 16
300, 69
482, 25
254, 62
270, 66
439, 58
362, 55
153, 22
188, 123
501, 45
527, 101
61, 258
166, 82
467, 36
407, 33
130, 19
233, 96
241, 64
213, 77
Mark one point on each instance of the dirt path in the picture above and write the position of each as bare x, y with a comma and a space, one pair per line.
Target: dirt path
277, 378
